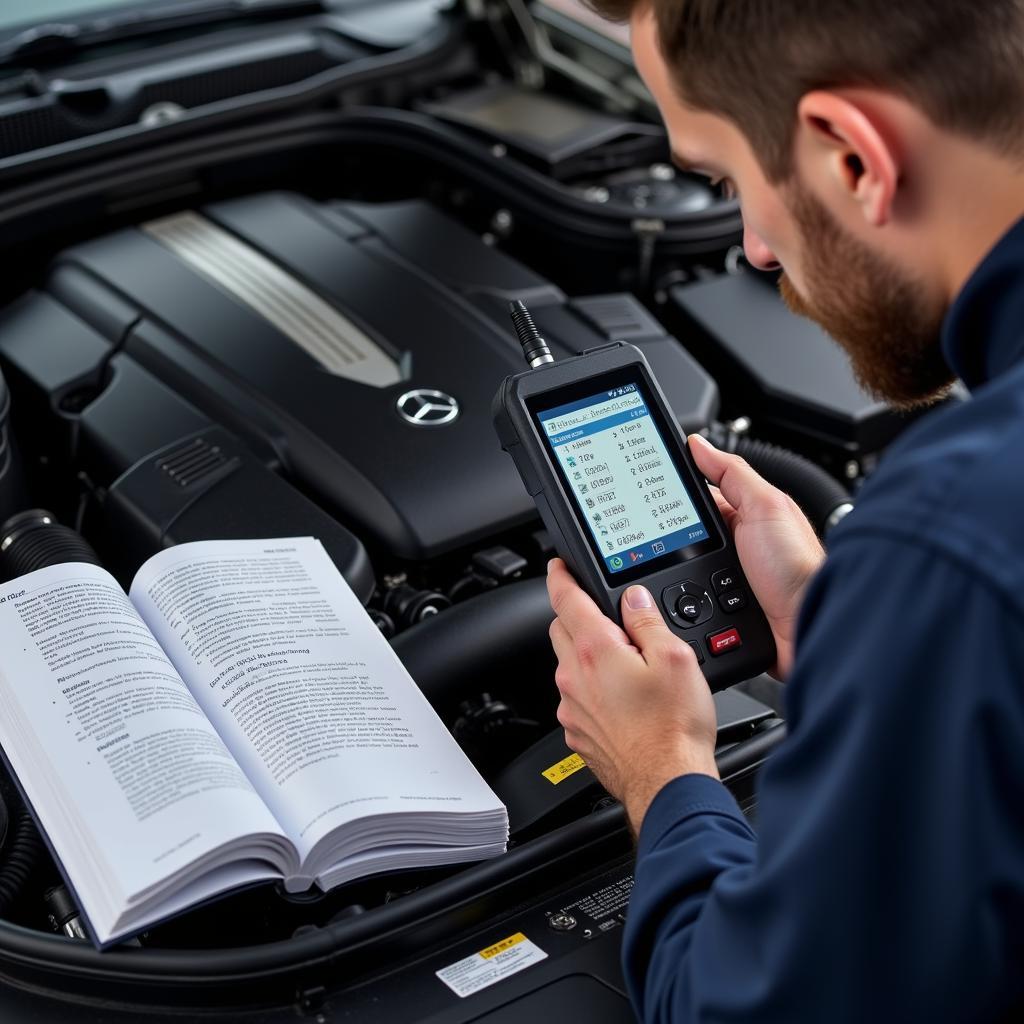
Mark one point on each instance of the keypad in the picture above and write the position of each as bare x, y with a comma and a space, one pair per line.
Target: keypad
724, 642
688, 604
725, 580
732, 601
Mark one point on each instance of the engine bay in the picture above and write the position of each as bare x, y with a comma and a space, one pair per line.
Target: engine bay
295, 324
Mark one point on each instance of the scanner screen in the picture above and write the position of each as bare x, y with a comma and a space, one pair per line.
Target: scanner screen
622, 477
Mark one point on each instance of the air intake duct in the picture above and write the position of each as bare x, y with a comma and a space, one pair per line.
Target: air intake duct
34, 539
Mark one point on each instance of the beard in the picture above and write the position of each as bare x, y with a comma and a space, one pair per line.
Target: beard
877, 312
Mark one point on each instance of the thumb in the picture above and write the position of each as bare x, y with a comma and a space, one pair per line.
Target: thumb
642, 620
711, 461
740, 485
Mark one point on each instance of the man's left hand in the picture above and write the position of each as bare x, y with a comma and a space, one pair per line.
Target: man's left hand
634, 703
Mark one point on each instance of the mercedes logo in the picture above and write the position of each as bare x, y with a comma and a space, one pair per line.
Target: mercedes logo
425, 407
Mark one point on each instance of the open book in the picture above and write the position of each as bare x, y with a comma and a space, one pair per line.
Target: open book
238, 718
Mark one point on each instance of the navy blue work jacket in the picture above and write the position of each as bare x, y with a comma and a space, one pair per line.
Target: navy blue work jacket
886, 881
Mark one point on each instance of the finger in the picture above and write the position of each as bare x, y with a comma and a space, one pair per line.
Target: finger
567, 716
562, 643
645, 625
738, 483
582, 619
727, 511
570, 670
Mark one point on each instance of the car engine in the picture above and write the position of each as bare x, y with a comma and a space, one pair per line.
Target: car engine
292, 320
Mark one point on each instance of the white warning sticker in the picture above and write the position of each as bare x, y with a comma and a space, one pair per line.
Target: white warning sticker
491, 965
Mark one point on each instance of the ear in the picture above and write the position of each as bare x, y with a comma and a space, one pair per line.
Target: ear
846, 142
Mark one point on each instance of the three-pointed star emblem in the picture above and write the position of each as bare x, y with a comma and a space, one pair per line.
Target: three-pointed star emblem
426, 407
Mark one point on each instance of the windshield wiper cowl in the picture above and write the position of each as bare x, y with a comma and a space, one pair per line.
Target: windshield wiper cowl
54, 40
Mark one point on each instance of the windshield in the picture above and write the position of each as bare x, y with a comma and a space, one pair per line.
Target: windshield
18, 14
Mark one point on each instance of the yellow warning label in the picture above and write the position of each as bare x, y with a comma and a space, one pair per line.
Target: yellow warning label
491, 965
500, 947
564, 769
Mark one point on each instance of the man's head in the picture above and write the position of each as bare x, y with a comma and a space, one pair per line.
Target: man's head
877, 149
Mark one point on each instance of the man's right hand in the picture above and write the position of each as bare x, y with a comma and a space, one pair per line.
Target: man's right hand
777, 547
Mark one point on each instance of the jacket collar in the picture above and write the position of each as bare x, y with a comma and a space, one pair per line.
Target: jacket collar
983, 334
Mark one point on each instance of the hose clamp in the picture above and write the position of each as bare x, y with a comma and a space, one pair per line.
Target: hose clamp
838, 514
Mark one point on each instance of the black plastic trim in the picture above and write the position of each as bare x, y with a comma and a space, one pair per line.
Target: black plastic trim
251, 973
525, 189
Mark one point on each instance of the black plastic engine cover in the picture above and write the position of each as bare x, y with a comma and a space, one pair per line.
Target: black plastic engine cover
781, 370
300, 326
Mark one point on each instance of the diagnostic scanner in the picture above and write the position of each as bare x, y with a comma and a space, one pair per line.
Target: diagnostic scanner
601, 454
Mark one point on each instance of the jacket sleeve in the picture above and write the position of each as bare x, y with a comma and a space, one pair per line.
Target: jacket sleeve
886, 881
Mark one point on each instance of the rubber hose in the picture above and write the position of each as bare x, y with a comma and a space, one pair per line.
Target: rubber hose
750, 752
29, 541
34, 539
823, 499
11, 484
499, 637
24, 849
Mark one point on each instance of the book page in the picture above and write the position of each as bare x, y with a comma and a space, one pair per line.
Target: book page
311, 699
117, 759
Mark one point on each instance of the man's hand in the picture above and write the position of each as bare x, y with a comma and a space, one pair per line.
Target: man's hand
634, 704
778, 548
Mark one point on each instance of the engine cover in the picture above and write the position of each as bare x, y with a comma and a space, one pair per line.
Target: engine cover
784, 371
358, 346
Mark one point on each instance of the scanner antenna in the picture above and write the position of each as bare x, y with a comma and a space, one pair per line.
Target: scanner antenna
535, 348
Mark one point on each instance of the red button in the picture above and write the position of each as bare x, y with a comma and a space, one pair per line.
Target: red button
719, 643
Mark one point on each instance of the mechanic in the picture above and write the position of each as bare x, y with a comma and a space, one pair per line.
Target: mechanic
878, 152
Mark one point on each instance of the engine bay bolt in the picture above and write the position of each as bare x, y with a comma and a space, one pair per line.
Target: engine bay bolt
502, 223
663, 172
562, 922
735, 260
499, 150
161, 113
597, 194
852, 469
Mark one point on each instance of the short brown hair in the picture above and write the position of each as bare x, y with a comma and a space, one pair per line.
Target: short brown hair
960, 61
